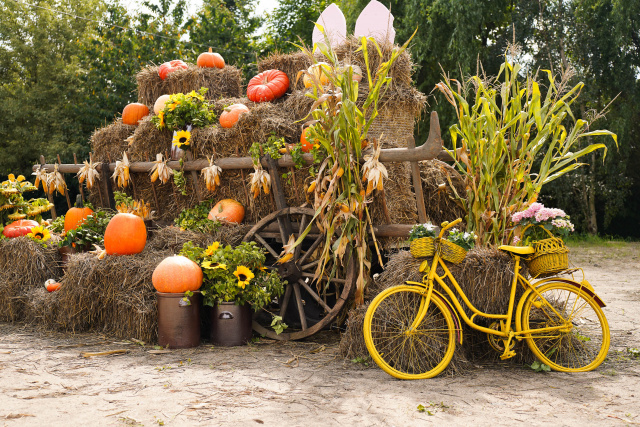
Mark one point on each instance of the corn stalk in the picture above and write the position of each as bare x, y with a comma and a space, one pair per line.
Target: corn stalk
510, 142
339, 125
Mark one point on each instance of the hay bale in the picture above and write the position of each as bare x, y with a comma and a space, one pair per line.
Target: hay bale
440, 184
172, 238
108, 143
222, 83
24, 265
41, 307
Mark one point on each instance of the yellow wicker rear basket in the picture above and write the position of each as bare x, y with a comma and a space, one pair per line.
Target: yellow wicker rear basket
551, 257
452, 252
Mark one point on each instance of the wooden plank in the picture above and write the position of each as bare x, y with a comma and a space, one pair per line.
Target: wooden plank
417, 184
105, 186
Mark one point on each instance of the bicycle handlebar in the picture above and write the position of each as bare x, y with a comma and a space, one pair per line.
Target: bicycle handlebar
447, 225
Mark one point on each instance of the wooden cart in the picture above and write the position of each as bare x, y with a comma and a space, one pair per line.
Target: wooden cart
307, 305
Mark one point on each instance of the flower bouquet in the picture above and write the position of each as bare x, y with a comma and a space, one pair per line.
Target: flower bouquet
534, 220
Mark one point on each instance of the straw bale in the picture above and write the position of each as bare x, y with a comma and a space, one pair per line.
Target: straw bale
439, 180
41, 307
108, 143
24, 265
172, 238
222, 83
290, 64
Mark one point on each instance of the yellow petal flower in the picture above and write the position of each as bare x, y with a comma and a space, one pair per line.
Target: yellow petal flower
212, 248
11, 177
213, 265
244, 275
181, 138
39, 233
20, 178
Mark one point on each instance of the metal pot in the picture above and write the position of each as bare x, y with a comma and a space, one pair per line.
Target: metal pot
178, 320
230, 324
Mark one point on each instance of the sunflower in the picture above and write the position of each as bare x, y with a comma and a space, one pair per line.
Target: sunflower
212, 248
181, 138
244, 276
40, 233
213, 265
161, 118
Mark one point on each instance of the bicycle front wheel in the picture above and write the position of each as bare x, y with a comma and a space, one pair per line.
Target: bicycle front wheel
583, 341
403, 352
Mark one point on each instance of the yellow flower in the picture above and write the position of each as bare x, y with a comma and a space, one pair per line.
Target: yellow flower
212, 248
213, 265
161, 116
174, 105
20, 178
244, 276
11, 177
182, 138
39, 233
262, 268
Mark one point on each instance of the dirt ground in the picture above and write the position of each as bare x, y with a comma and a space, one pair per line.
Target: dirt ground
45, 380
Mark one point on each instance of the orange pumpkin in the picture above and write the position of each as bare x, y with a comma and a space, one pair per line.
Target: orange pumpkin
306, 145
76, 215
126, 234
267, 86
227, 210
18, 228
316, 71
132, 113
210, 60
177, 274
171, 66
231, 115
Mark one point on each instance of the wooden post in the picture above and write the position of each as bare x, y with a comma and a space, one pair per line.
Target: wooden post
105, 184
66, 191
99, 186
133, 184
417, 184
244, 182
194, 176
75, 162
155, 195
49, 196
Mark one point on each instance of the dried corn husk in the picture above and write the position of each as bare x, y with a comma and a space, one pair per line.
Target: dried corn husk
88, 173
373, 172
211, 175
160, 170
121, 172
55, 182
41, 176
259, 178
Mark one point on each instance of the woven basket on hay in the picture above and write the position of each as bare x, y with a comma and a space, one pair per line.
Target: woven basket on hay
222, 83
485, 275
24, 266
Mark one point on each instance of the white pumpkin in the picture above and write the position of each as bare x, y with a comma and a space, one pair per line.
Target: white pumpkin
159, 105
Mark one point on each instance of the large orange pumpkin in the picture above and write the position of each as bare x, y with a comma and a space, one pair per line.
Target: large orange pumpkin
132, 113
76, 215
227, 210
210, 59
306, 145
177, 274
126, 234
18, 228
170, 67
231, 114
267, 86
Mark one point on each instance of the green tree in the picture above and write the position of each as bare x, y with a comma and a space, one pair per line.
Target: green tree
42, 80
293, 19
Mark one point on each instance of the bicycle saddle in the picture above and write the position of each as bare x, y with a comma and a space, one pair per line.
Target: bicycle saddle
518, 250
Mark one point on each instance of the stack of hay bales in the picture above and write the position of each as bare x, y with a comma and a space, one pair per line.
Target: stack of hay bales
485, 275
24, 267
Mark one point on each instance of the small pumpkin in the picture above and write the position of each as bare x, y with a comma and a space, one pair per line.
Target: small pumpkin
51, 285
125, 234
267, 86
316, 71
18, 228
76, 215
304, 142
177, 274
227, 210
170, 67
210, 59
231, 114
159, 104
132, 113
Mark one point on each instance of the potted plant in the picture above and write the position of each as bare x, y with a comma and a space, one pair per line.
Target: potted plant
236, 284
84, 236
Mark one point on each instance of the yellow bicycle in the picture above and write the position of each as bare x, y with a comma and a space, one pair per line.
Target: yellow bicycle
411, 330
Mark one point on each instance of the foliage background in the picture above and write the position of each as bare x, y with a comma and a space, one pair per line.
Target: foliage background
62, 76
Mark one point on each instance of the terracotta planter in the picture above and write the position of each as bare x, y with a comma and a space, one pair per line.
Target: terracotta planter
65, 253
178, 321
230, 324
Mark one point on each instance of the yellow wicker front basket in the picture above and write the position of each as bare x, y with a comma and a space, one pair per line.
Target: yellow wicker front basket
425, 247
422, 247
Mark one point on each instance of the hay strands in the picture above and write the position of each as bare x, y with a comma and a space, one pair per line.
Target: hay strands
104, 353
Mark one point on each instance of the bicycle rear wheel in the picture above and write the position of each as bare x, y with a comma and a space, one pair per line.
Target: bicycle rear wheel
401, 352
580, 346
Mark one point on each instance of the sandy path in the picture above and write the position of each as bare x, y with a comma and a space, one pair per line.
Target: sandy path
45, 381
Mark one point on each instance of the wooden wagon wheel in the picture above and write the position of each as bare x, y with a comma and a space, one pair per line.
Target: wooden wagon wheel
307, 305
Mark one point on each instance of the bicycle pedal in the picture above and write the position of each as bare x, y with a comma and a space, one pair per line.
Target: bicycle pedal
508, 354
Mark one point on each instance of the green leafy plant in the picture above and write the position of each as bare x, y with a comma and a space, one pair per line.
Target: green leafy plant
235, 274
466, 240
180, 182
182, 110
14, 206
89, 233
540, 367
422, 230
278, 325
510, 141
196, 218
